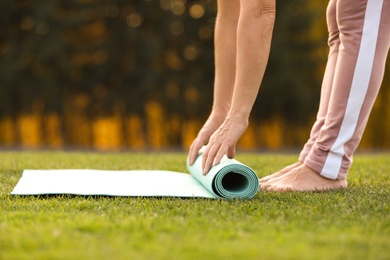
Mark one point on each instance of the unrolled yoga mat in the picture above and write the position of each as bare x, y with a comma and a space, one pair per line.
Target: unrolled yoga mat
229, 179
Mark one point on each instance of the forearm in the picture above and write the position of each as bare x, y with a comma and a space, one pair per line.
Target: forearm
225, 55
253, 46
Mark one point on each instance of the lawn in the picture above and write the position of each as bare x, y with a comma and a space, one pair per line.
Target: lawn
348, 224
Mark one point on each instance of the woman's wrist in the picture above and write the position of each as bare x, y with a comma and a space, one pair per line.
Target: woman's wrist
241, 117
219, 112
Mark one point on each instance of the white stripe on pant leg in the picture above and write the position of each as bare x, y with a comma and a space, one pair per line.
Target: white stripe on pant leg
360, 83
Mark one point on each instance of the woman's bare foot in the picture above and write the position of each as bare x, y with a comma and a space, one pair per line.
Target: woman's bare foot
303, 178
281, 172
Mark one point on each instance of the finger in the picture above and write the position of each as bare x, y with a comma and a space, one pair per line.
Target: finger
194, 151
204, 157
231, 152
221, 152
208, 158
191, 154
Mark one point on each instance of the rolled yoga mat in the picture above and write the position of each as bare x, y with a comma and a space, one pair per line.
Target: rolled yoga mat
229, 179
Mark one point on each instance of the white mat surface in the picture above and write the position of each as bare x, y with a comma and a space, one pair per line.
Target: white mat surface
112, 183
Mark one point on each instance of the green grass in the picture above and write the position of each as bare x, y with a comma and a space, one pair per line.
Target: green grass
348, 224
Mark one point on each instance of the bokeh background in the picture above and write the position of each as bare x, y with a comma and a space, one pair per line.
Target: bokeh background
138, 75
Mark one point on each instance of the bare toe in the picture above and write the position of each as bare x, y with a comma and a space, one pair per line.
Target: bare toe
281, 172
264, 187
270, 183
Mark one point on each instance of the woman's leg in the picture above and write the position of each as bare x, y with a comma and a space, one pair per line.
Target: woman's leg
327, 82
364, 44
334, 43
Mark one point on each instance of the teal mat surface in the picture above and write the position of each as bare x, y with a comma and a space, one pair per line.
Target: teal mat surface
229, 179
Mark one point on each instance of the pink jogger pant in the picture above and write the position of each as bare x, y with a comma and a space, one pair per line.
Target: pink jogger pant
359, 39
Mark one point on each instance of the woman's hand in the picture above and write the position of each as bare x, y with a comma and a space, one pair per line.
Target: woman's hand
213, 122
223, 141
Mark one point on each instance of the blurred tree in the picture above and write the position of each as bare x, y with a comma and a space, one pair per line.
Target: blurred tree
69, 63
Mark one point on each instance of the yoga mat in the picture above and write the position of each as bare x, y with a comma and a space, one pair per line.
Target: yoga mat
229, 179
